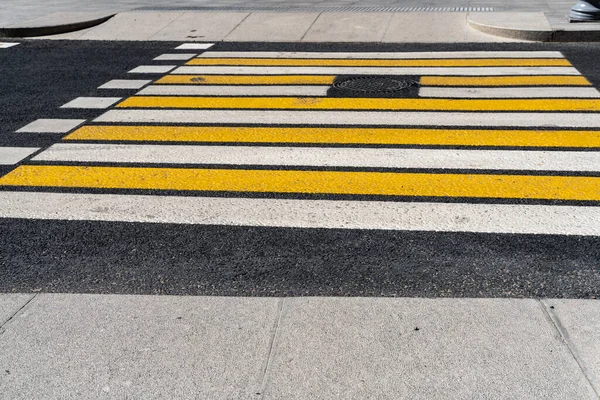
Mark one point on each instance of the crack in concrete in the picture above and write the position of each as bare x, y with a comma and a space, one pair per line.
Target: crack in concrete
562, 331
235, 27
3, 324
310, 27
272, 343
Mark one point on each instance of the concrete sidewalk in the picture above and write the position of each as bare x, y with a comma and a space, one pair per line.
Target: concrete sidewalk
285, 27
311, 25
116, 346
17, 12
334, 20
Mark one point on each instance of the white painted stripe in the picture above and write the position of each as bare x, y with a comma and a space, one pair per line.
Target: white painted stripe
152, 69
6, 45
176, 56
440, 217
224, 90
194, 46
446, 71
503, 93
13, 155
92, 102
359, 118
327, 157
382, 55
44, 125
125, 84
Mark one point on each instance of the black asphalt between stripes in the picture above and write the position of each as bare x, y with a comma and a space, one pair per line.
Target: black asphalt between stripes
37, 77
110, 257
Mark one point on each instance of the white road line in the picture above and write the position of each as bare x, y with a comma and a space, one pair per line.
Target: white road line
194, 46
327, 157
224, 90
175, 56
362, 118
152, 69
382, 55
6, 45
125, 84
446, 71
13, 155
501, 92
91, 102
44, 125
414, 216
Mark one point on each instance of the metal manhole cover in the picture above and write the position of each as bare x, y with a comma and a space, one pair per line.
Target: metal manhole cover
373, 84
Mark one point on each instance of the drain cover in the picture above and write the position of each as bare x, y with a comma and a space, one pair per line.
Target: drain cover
369, 84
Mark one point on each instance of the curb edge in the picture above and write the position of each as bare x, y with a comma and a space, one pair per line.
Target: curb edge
17, 32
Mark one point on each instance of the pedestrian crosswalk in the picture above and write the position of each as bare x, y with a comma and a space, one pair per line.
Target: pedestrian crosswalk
489, 142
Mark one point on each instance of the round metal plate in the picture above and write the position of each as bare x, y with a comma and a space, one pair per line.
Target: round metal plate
373, 84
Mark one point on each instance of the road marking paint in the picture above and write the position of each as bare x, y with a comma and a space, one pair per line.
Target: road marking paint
389, 136
382, 55
153, 69
309, 182
504, 81
385, 215
13, 155
247, 80
224, 90
503, 92
282, 62
92, 102
357, 103
194, 46
6, 45
588, 161
363, 118
125, 84
175, 56
45, 125
450, 71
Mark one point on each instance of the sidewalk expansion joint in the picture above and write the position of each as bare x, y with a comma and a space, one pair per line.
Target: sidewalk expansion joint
270, 353
235, 27
3, 324
310, 27
564, 335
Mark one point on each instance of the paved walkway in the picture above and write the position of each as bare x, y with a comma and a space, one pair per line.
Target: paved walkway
18, 11
383, 27
114, 347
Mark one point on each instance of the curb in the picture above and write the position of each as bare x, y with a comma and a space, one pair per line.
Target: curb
537, 35
511, 33
18, 32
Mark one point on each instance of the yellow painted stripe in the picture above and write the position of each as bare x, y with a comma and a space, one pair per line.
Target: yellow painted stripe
474, 62
247, 79
329, 103
504, 81
311, 182
516, 138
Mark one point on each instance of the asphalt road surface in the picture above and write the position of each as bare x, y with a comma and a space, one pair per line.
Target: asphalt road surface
278, 170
